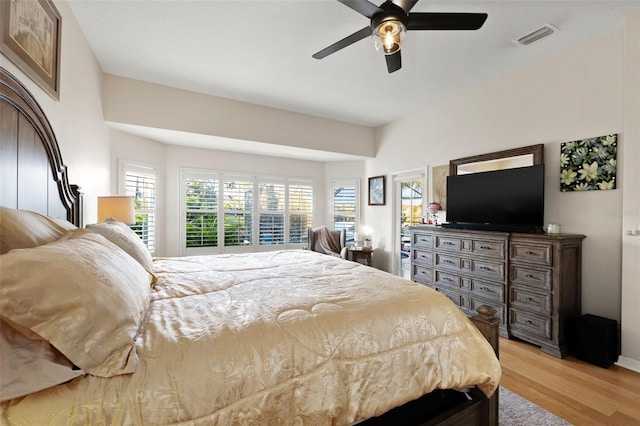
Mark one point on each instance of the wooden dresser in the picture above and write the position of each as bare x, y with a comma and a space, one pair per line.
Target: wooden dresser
533, 280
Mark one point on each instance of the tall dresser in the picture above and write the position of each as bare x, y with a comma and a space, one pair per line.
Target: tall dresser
533, 280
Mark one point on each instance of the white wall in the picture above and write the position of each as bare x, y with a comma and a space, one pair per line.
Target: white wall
573, 95
146, 152
76, 118
145, 104
630, 213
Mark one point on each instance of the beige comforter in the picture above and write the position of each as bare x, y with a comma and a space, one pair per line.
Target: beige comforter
280, 338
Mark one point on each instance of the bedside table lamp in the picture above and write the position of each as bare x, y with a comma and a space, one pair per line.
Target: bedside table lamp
118, 208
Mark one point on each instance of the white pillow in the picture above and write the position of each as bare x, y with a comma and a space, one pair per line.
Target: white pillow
26, 229
83, 294
124, 237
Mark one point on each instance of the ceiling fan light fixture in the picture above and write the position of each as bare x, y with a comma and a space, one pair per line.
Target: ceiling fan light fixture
388, 36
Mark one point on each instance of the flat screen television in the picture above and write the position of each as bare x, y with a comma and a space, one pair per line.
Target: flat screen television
510, 200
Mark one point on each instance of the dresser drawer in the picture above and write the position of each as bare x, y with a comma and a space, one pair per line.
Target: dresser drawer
472, 287
449, 261
487, 248
540, 254
422, 274
420, 240
450, 243
530, 300
477, 267
422, 257
484, 289
535, 278
447, 280
530, 323
487, 269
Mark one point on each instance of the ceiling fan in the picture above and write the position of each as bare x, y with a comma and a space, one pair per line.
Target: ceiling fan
391, 20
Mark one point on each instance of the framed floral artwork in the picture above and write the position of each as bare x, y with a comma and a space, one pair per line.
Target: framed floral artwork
589, 164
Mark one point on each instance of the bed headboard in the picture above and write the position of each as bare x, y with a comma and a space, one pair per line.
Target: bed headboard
32, 174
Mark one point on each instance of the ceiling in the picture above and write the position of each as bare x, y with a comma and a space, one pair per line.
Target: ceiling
259, 51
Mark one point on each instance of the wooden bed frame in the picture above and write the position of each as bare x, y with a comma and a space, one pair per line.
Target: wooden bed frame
33, 177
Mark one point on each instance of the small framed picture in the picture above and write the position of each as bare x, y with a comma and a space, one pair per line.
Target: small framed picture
30, 38
376, 191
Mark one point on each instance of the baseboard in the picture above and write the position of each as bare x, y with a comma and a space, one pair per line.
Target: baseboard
628, 363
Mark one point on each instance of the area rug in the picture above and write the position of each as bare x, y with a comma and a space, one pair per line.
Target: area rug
517, 411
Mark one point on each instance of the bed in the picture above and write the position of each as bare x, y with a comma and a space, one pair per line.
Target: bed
283, 337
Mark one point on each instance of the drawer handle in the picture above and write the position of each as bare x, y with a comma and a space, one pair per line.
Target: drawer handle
448, 243
449, 262
485, 248
423, 256
447, 279
529, 276
530, 253
529, 322
484, 288
529, 299
485, 268
424, 240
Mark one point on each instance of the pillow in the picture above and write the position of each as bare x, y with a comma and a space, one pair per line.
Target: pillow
26, 229
124, 237
30, 364
83, 294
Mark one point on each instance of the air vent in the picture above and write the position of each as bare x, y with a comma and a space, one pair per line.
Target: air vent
542, 32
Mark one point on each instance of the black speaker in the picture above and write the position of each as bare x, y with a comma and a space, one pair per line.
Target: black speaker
596, 340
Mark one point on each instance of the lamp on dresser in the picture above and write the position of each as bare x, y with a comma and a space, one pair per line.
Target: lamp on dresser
434, 208
116, 207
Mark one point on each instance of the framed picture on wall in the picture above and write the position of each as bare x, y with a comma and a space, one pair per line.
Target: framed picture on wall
30, 32
376, 191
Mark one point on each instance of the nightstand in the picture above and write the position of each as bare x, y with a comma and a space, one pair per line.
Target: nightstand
360, 253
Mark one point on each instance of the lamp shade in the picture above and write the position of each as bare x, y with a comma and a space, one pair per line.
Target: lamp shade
434, 207
118, 208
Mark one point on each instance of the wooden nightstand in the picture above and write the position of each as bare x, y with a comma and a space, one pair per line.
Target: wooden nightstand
356, 253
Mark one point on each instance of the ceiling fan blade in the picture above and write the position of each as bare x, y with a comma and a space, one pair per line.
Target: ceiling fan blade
446, 21
394, 62
349, 40
406, 5
363, 7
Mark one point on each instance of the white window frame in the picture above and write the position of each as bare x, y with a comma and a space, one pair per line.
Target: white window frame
289, 213
260, 212
255, 245
194, 173
337, 183
125, 166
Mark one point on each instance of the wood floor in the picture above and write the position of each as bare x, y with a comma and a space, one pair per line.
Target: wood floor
579, 392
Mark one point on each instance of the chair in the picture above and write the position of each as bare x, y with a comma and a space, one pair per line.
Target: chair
324, 240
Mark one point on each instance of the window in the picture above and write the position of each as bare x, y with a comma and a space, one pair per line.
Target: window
238, 201
201, 203
272, 202
300, 211
256, 211
345, 207
139, 181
